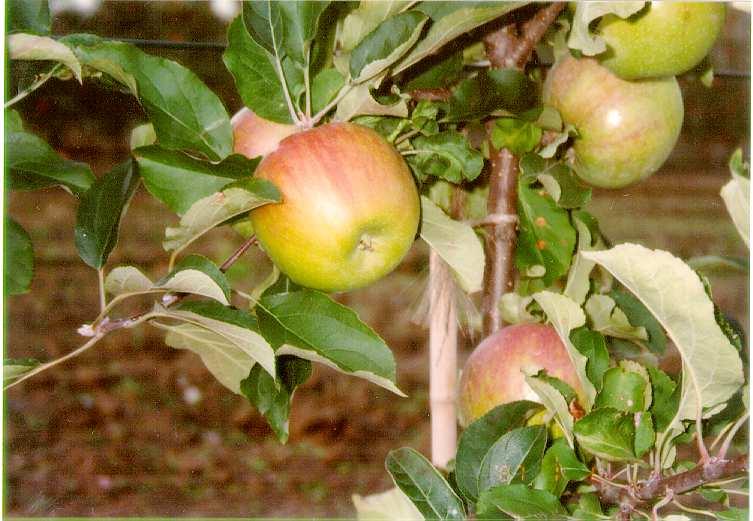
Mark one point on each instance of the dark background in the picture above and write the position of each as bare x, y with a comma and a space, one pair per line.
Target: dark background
135, 428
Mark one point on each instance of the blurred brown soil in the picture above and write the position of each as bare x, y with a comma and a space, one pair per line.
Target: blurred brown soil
134, 428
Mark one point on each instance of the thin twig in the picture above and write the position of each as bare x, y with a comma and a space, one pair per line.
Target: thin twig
286, 93
661, 504
307, 84
238, 253
728, 440
702, 450
405, 136
679, 505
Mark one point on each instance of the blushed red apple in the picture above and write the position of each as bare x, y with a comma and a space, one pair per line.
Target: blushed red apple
626, 130
254, 136
494, 373
349, 210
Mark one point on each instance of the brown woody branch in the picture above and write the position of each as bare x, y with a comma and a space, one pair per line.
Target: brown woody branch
654, 488
505, 48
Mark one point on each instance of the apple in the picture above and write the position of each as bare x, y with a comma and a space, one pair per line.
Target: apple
626, 130
494, 373
664, 39
254, 136
349, 210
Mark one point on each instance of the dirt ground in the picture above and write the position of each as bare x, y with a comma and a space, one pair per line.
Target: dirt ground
134, 428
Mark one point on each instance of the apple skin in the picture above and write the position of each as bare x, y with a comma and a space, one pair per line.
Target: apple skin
626, 130
669, 38
349, 210
254, 136
494, 373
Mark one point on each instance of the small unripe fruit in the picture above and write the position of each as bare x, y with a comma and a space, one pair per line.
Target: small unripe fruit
494, 373
626, 130
349, 210
665, 39
254, 136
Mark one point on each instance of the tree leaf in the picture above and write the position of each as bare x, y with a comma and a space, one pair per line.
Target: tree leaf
559, 466
365, 18
666, 398
439, 74
593, 346
424, 485
142, 136
607, 433
184, 112
638, 315
213, 210
127, 279
385, 45
480, 436
674, 294
308, 324
359, 102
236, 327
580, 37
446, 155
100, 211
456, 243
324, 86
490, 90
273, 399
16, 368
265, 24
30, 47
623, 390
736, 197
644, 433
520, 502
565, 315
33, 164
199, 276
608, 319
578, 283
555, 403
18, 265
453, 23
514, 457
546, 237
388, 505
29, 15
255, 76
516, 135
558, 179
179, 180
300, 21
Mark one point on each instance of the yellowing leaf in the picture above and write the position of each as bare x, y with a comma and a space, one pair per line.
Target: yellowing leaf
31, 47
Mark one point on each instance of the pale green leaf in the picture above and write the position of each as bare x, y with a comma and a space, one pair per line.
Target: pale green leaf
514, 308
736, 196
608, 319
456, 243
674, 294
364, 19
566, 315
127, 279
359, 102
555, 403
13, 369
23, 46
142, 136
578, 284
388, 505
585, 12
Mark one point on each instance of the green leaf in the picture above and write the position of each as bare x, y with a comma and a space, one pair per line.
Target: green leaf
365, 18
446, 155
567, 392
142, 136
546, 237
229, 344
359, 102
644, 433
300, 21
28, 15
607, 433
733, 514
33, 164
199, 276
514, 457
559, 466
213, 210
479, 437
385, 45
437, 74
184, 112
490, 90
623, 390
737, 166
555, 403
324, 86
18, 264
580, 37
593, 346
609, 320
127, 279
558, 180
516, 135
520, 502
666, 398
273, 399
30, 47
674, 294
308, 324
254, 74
388, 505
424, 118
100, 211
639, 316
456, 243
578, 284
448, 24
16, 368
424, 485
179, 180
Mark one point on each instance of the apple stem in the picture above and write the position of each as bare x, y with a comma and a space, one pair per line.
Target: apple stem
442, 362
